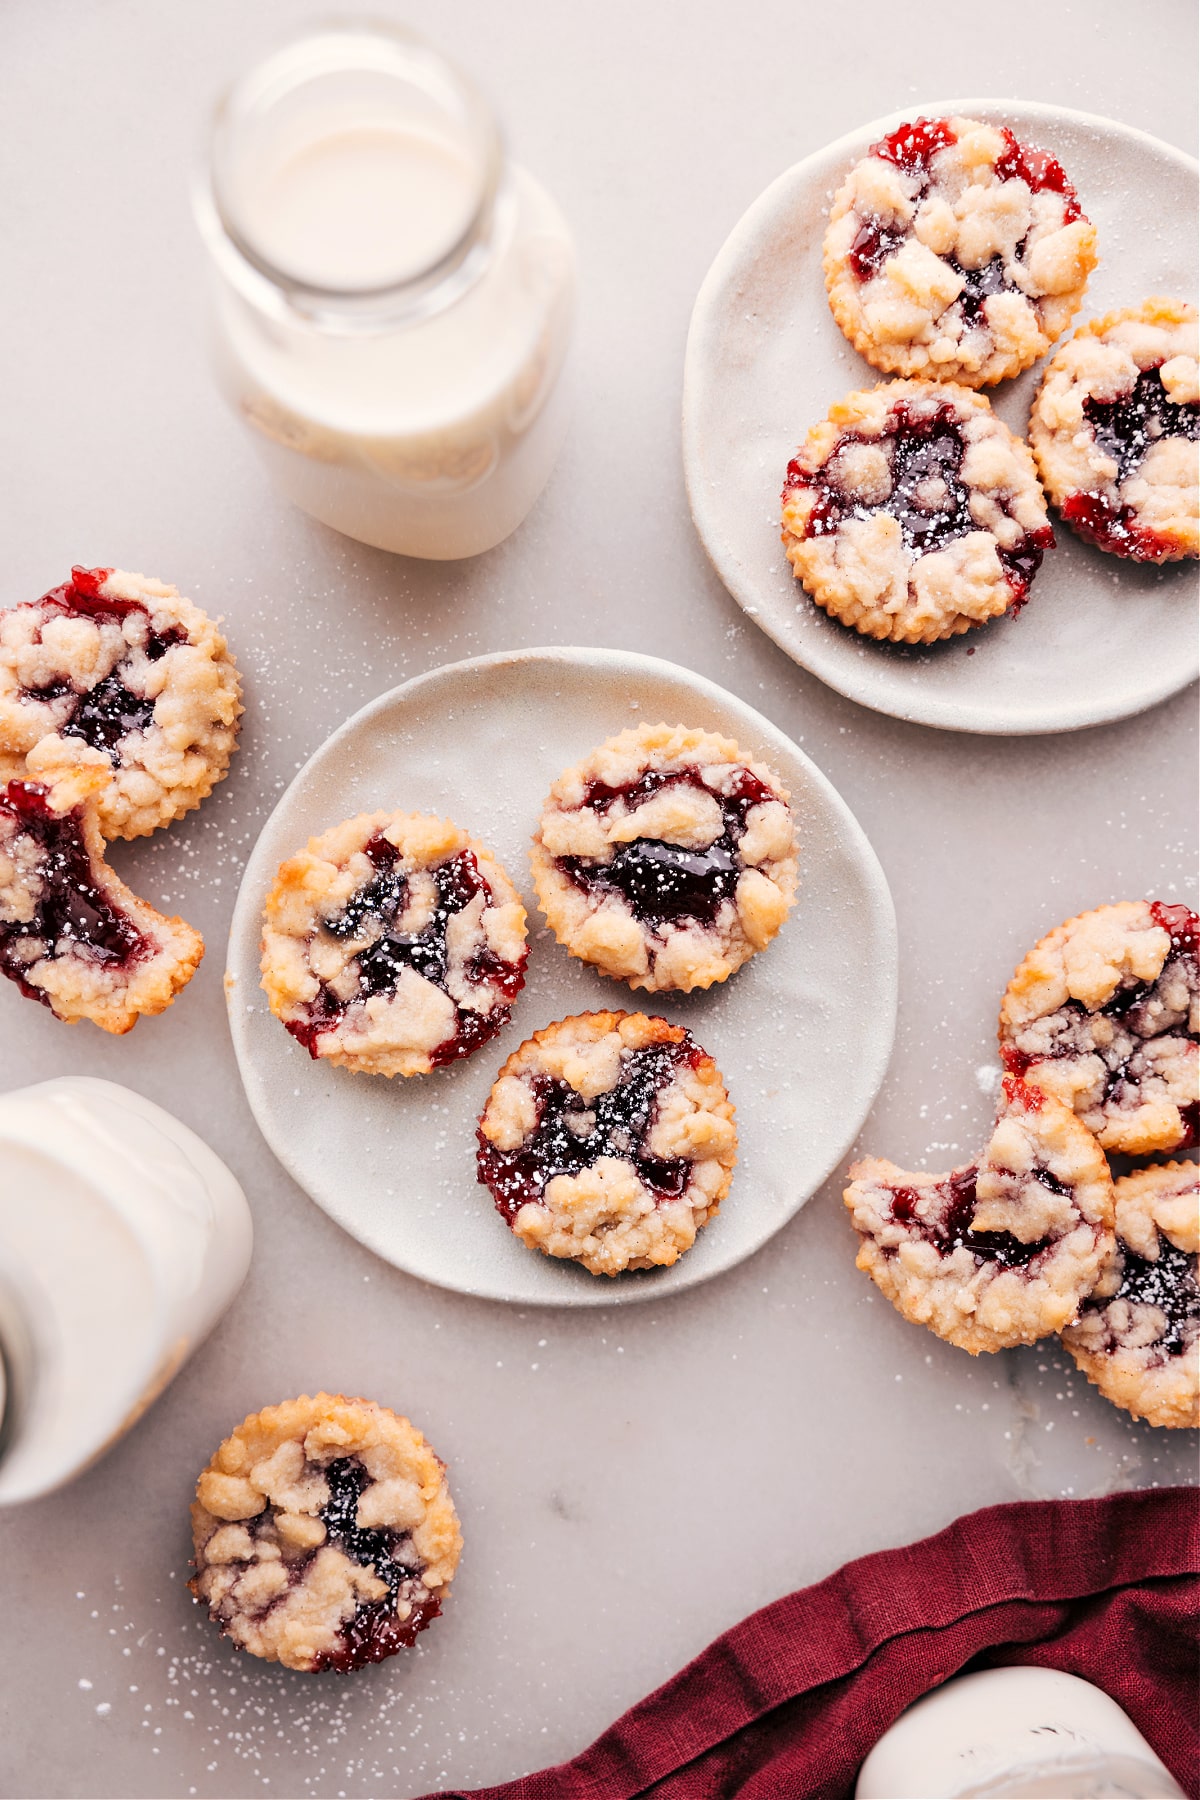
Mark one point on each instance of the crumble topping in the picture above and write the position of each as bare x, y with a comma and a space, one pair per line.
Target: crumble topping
608, 1139
1114, 428
956, 252
72, 935
121, 673
1138, 1334
393, 944
324, 1532
1104, 1013
666, 858
913, 513
1003, 1251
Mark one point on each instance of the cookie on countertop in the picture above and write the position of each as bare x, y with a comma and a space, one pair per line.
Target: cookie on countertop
666, 858
912, 513
1104, 1013
325, 1536
393, 944
956, 252
1003, 1251
608, 1139
1114, 428
1138, 1334
72, 935
125, 675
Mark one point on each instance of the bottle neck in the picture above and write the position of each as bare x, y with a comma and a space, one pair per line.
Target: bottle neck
355, 182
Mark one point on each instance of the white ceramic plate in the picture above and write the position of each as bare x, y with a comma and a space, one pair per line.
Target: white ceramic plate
802, 1033
1100, 639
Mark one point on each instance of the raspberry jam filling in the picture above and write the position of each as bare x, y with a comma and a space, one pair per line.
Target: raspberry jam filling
71, 914
1125, 430
375, 1631
929, 499
1134, 1008
911, 149
664, 884
1169, 1283
573, 1133
948, 1226
381, 964
104, 715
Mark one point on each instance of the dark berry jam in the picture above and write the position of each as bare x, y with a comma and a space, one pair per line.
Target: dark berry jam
979, 285
873, 243
1038, 170
1125, 430
107, 714
374, 1632
912, 147
665, 884
927, 447
381, 964
71, 914
1169, 1282
949, 1228
1181, 925
573, 1133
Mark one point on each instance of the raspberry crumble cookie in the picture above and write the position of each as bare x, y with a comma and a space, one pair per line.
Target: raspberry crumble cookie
393, 944
130, 677
1001, 1252
1138, 1336
1104, 1014
325, 1535
1114, 430
72, 935
913, 513
608, 1139
666, 858
956, 252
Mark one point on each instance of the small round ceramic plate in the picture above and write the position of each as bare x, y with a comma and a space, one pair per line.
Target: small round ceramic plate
1100, 639
802, 1033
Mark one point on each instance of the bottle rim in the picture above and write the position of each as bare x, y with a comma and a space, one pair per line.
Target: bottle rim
349, 45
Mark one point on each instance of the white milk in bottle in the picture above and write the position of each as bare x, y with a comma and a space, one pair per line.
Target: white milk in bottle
393, 300
123, 1238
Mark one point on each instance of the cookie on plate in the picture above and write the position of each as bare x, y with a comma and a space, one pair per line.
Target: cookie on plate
1003, 1251
608, 1139
128, 676
393, 944
1138, 1334
1114, 428
954, 251
325, 1536
1104, 1013
666, 858
72, 935
912, 513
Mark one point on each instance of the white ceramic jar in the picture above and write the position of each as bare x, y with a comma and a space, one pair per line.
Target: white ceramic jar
123, 1238
393, 300
1020, 1733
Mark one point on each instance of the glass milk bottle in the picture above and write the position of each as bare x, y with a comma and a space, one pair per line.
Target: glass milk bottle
123, 1238
1015, 1734
393, 299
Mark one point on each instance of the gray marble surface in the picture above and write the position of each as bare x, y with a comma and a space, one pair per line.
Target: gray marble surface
630, 1482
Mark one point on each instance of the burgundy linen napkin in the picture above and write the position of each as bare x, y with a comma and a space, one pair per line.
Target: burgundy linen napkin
787, 1704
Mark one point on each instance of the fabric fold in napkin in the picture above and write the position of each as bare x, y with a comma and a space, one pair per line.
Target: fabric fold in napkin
786, 1705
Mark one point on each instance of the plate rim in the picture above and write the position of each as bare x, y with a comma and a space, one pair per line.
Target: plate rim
704, 311
247, 912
